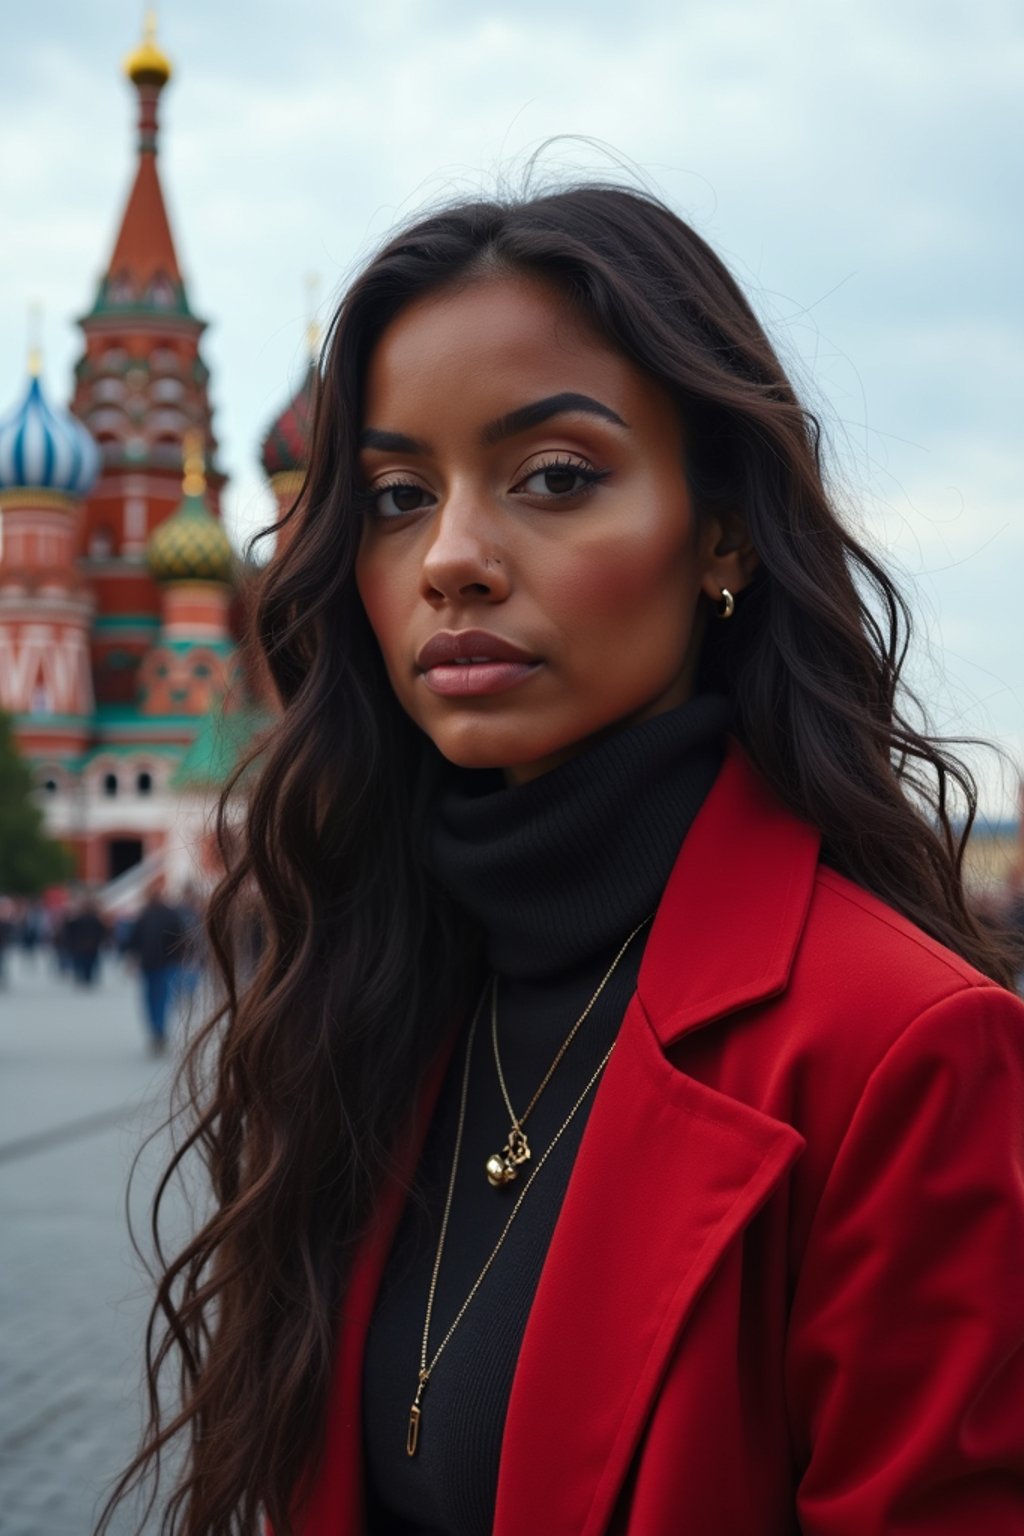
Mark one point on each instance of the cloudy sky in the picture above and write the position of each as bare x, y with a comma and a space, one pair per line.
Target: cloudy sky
857, 164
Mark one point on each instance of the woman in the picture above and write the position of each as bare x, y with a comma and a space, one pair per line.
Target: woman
622, 1130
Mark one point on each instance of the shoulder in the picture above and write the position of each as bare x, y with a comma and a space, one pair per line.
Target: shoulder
877, 941
862, 960
878, 1013
865, 978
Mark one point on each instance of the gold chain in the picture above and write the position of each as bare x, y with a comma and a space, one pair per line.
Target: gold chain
426, 1370
502, 1166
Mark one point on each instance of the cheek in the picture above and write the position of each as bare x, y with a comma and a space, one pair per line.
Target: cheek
375, 583
635, 584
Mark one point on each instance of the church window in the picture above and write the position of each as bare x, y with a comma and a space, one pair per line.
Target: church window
108, 389
161, 292
144, 783
167, 390
50, 786
110, 784
101, 543
166, 423
106, 421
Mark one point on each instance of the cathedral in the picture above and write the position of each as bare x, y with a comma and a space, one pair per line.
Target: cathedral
122, 602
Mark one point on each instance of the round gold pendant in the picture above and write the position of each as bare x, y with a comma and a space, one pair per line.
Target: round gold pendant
499, 1171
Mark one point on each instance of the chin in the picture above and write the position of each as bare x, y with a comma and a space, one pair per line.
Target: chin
483, 744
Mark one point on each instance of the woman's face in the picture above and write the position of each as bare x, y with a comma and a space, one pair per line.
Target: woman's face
526, 482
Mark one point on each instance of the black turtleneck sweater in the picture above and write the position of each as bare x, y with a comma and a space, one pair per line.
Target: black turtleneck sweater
557, 872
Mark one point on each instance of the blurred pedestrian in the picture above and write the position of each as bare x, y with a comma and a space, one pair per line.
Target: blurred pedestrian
34, 929
120, 934
59, 936
85, 935
155, 941
6, 933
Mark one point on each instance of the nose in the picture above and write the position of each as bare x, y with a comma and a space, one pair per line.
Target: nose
463, 560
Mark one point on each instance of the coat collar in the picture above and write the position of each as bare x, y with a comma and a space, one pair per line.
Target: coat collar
737, 897
668, 1172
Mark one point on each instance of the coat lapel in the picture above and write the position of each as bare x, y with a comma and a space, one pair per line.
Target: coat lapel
668, 1173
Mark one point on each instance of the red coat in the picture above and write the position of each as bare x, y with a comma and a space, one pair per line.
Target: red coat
786, 1288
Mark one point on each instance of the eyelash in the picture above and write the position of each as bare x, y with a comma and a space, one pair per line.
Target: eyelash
590, 476
367, 498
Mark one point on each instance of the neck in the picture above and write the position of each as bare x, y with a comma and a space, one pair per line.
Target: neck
559, 869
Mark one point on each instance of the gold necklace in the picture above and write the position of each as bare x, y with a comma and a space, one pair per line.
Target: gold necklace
503, 1166
426, 1369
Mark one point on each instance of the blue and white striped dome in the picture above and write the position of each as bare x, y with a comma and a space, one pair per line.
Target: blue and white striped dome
46, 449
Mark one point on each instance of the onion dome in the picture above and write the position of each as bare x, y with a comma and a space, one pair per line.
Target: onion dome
148, 64
191, 544
42, 448
286, 445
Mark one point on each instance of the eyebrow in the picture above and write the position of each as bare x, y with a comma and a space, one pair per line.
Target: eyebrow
520, 420
527, 416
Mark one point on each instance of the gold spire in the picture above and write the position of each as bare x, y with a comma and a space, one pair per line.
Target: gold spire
148, 61
313, 331
194, 479
35, 331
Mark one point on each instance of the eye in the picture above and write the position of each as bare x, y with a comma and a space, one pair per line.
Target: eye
396, 499
560, 480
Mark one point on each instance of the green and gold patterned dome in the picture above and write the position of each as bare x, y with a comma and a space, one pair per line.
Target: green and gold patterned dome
191, 544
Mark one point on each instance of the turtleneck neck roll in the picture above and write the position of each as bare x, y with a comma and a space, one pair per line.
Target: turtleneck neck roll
560, 869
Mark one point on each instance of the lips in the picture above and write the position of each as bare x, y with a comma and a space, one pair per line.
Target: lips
469, 647
472, 664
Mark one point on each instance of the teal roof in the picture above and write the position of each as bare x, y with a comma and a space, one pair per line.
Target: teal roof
111, 716
129, 749
118, 621
221, 742
173, 302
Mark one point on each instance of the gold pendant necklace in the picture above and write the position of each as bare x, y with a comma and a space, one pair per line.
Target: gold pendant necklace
427, 1366
502, 1167
426, 1369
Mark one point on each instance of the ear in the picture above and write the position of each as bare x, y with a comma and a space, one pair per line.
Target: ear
730, 558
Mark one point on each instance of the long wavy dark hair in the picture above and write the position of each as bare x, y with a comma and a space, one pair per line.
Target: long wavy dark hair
297, 1087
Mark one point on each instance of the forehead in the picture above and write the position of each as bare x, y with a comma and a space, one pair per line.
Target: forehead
473, 352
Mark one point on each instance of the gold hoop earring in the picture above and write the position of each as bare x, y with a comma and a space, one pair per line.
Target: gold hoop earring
727, 604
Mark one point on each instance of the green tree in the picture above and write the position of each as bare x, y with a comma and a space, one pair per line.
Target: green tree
29, 859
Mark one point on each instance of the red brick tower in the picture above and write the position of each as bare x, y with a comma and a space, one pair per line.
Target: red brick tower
139, 387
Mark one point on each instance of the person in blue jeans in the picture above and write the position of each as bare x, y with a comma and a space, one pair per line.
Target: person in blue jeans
155, 940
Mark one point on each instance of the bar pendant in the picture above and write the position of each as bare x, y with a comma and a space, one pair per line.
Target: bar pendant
413, 1437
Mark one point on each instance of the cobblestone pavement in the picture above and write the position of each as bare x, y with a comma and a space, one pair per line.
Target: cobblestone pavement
78, 1092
